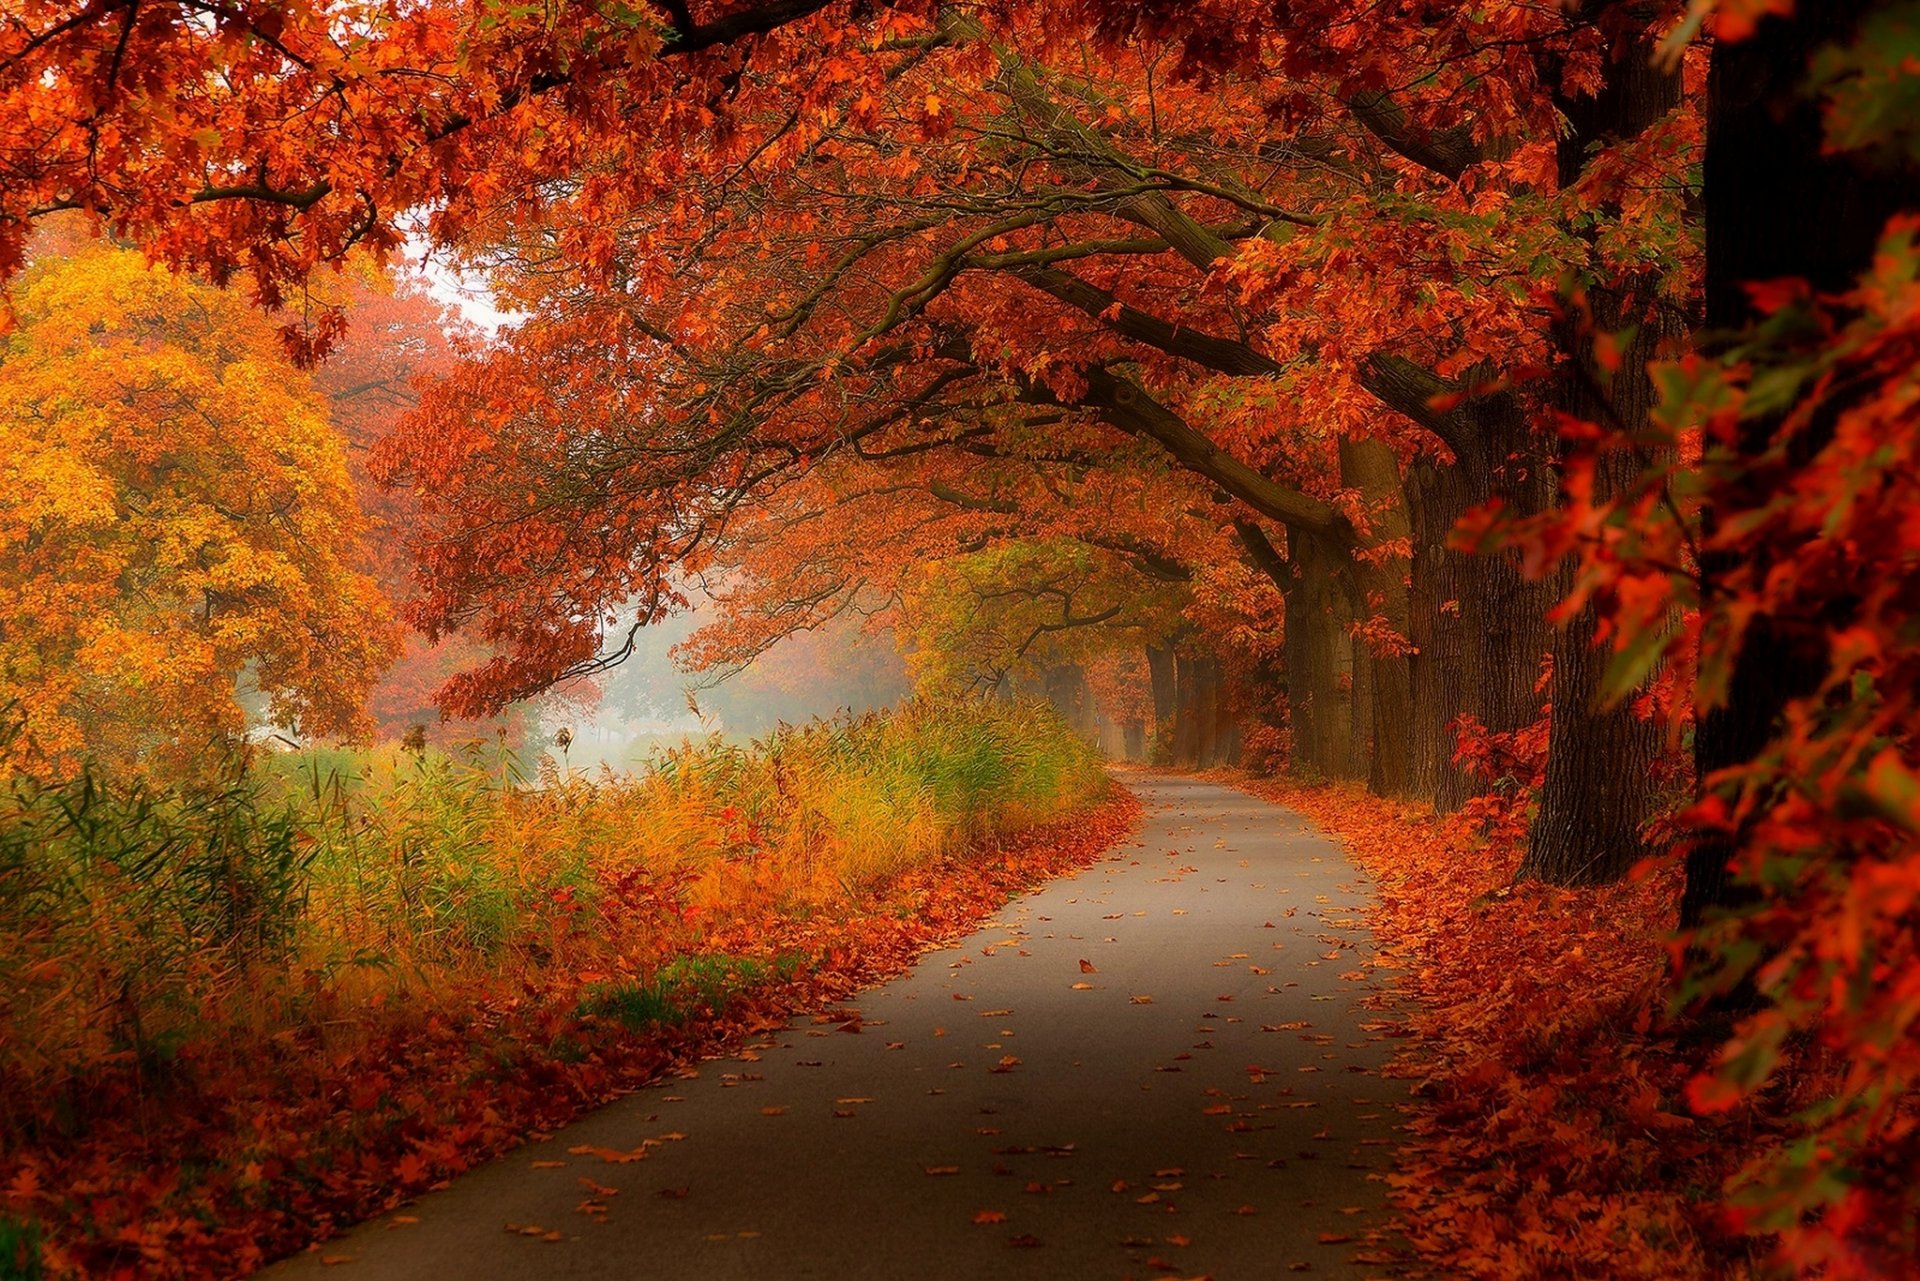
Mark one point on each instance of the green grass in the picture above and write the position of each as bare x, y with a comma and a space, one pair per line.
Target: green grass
19, 1250
138, 921
685, 988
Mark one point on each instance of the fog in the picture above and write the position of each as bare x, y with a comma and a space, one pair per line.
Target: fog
649, 700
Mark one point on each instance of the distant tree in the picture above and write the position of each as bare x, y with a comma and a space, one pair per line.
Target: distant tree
176, 523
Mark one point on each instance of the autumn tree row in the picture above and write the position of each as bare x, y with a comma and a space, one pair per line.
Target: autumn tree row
1155, 312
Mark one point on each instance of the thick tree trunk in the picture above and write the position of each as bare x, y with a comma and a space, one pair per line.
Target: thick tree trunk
1205, 709
1186, 726
1319, 662
1160, 677
1384, 707
1204, 733
1598, 791
1067, 690
1776, 206
1226, 736
1442, 612
1360, 666
1504, 610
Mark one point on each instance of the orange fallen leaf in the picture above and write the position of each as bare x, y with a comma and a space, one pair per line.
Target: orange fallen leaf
984, 1217
773, 1111
612, 1156
943, 1169
1083, 987
1088, 967
1334, 1238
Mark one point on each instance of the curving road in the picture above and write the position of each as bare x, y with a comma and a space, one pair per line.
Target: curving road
1205, 1101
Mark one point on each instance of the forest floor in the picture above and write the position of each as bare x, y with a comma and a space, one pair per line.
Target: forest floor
1167, 1064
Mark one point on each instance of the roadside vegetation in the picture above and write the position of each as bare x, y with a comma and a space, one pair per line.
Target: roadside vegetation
235, 1009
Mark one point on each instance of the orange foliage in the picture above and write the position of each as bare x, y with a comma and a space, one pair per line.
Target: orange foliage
176, 520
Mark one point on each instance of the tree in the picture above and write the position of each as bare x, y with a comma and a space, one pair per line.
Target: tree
1358, 216
177, 524
398, 338
969, 246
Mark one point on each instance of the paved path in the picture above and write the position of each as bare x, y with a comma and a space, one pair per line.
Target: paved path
1203, 1102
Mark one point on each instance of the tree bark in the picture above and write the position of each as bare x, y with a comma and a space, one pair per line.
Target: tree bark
1160, 676
1598, 791
1442, 611
1383, 682
1319, 656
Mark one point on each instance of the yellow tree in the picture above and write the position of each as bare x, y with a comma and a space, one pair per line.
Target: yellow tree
177, 525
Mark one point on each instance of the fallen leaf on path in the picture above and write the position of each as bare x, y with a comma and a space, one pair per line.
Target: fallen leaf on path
1334, 1238
548, 1165
773, 1111
612, 1156
1088, 967
984, 1217
943, 1169
1141, 1000
1083, 987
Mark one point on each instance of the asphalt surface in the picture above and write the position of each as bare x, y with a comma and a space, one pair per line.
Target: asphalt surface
1205, 1100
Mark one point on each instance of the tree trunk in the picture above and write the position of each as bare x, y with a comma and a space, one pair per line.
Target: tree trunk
1598, 793
1360, 666
1319, 656
1442, 608
1384, 712
1204, 709
1186, 726
1160, 676
1776, 206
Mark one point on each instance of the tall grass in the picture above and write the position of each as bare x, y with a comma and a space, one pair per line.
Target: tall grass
302, 904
